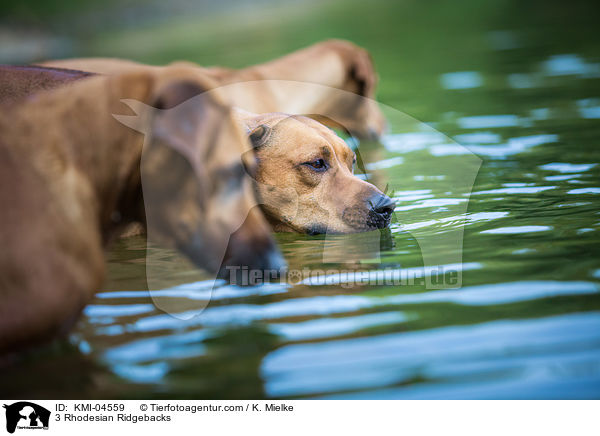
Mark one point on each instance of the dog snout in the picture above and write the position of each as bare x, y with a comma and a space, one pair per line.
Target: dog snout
372, 134
381, 211
252, 257
254, 266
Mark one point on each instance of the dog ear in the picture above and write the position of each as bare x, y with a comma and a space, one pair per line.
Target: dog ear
180, 108
259, 136
175, 93
138, 121
171, 95
362, 72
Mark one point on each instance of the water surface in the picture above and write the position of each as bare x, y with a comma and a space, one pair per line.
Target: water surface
521, 98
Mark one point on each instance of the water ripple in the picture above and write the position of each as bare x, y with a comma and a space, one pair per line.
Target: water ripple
387, 359
516, 230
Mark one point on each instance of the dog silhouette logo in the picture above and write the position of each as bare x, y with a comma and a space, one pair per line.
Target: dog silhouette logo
26, 415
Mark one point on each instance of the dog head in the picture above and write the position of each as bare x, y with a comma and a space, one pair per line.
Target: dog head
305, 178
197, 195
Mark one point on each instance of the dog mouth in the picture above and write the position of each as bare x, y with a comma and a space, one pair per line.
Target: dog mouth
357, 221
378, 221
316, 229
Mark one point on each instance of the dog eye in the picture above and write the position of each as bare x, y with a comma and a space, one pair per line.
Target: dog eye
318, 164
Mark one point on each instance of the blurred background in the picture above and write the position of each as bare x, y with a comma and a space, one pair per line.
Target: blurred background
515, 82
413, 44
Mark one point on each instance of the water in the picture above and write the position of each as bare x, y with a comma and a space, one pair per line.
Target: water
507, 103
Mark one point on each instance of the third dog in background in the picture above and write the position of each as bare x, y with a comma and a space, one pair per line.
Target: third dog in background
276, 86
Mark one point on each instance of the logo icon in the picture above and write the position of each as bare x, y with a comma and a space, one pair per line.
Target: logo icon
26, 415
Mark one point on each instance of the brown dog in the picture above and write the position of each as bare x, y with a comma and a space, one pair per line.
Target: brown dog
19, 82
71, 178
353, 208
275, 86
305, 178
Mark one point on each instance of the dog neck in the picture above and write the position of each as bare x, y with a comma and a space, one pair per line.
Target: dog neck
307, 81
313, 64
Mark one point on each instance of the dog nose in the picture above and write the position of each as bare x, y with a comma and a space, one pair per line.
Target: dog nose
383, 205
382, 208
372, 134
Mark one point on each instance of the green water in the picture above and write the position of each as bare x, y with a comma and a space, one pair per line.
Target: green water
503, 92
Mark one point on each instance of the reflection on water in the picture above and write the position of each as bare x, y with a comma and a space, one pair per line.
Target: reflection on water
526, 322
530, 348
461, 80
